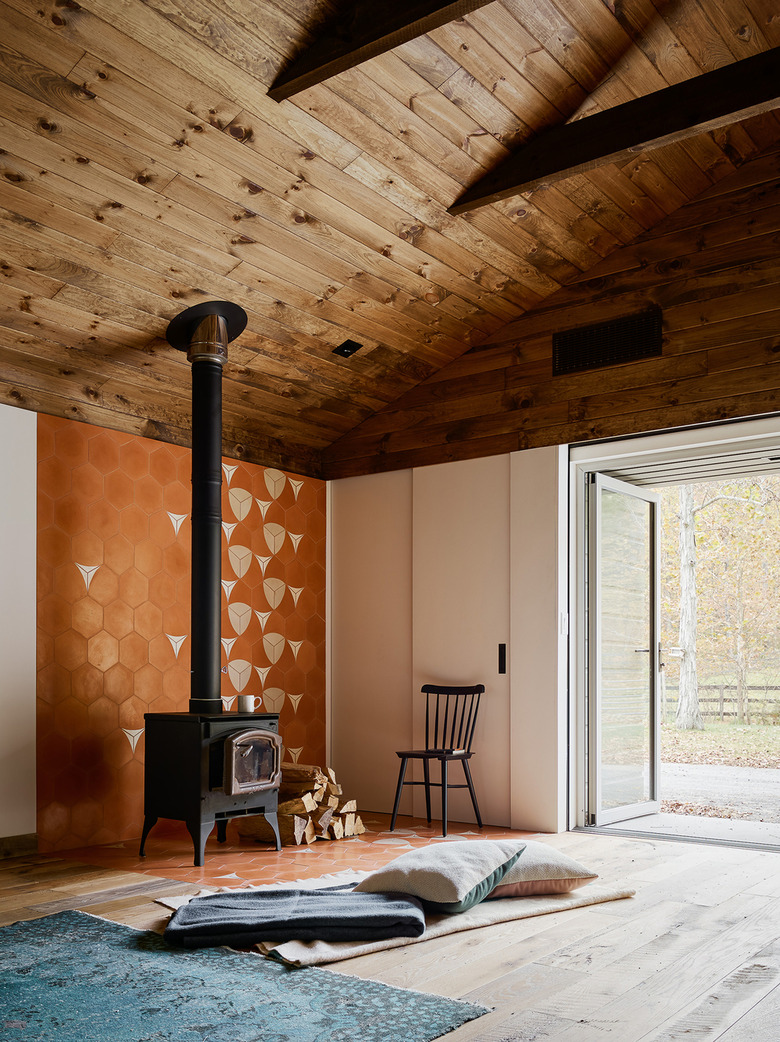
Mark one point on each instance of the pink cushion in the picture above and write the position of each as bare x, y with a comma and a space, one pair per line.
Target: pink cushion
542, 869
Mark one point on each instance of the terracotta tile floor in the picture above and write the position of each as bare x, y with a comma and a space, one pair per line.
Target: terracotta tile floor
242, 862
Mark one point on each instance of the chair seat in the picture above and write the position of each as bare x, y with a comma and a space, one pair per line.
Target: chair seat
434, 754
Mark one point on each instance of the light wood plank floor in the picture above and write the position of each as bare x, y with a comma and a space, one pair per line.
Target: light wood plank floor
695, 955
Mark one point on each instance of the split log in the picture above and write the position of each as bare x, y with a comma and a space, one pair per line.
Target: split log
322, 818
298, 778
294, 829
303, 804
311, 807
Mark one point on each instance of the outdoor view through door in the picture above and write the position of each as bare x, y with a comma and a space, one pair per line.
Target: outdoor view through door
684, 657
720, 629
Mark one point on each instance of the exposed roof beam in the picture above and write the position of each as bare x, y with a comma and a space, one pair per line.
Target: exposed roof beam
714, 99
365, 31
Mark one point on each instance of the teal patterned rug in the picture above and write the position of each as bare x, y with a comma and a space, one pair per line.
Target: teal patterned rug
74, 978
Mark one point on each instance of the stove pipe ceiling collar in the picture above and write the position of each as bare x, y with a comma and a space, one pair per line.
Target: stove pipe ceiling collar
204, 331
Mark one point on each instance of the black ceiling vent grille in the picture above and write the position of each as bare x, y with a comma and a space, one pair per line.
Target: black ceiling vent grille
347, 349
608, 343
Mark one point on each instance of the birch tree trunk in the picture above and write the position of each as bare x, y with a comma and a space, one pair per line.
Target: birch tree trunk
741, 657
688, 716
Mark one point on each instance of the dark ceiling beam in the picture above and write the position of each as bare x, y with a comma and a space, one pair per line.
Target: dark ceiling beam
364, 31
714, 99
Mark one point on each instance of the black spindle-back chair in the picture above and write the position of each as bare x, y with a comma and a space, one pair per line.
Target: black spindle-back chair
450, 719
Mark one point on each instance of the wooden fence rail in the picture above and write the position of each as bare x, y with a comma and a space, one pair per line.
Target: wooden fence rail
759, 710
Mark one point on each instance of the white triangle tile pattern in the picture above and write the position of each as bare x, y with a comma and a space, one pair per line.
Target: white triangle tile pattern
176, 521
132, 735
176, 642
87, 572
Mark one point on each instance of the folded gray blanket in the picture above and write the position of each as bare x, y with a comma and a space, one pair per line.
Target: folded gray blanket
243, 918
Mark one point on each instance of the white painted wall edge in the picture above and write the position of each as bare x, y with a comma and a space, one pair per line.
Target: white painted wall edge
18, 546
539, 638
328, 623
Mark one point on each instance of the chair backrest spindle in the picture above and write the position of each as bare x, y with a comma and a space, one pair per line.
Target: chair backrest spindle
451, 716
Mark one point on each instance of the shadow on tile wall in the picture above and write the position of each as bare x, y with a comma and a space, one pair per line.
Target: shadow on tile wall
113, 615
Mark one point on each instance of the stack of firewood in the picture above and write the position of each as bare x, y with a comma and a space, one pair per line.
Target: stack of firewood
311, 807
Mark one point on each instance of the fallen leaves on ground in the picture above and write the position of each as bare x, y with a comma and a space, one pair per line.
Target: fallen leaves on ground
703, 810
732, 746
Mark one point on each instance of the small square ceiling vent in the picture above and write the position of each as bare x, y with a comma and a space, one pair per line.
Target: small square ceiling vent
626, 339
347, 349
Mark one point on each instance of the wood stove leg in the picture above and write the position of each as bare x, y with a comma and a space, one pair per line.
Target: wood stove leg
273, 821
222, 829
150, 820
200, 831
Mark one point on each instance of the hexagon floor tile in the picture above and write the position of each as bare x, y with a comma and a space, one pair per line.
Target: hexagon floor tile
241, 862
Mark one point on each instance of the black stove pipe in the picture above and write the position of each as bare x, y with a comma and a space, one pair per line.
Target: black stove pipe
204, 331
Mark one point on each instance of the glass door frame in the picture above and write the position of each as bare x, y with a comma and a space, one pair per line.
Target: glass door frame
596, 814
690, 446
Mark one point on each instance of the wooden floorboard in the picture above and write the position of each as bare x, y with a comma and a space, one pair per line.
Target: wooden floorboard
694, 955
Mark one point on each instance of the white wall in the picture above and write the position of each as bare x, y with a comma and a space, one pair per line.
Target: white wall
370, 654
430, 570
18, 465
460, 614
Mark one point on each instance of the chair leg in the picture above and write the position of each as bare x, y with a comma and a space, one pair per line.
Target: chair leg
427, 776
399, 787
444, 797
470, 783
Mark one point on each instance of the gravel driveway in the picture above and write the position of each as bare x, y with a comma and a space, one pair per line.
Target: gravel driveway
752, 791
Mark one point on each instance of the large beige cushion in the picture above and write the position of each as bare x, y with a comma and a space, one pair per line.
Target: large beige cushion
448, 877
542, 870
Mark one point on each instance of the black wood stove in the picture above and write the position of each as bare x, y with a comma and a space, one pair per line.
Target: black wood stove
204, 769
205, 766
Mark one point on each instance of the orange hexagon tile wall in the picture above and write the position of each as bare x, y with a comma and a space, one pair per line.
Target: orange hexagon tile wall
113, 615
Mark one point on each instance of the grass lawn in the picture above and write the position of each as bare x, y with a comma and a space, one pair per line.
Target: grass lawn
735, 745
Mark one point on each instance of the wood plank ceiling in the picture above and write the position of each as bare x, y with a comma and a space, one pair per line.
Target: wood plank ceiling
145, 169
